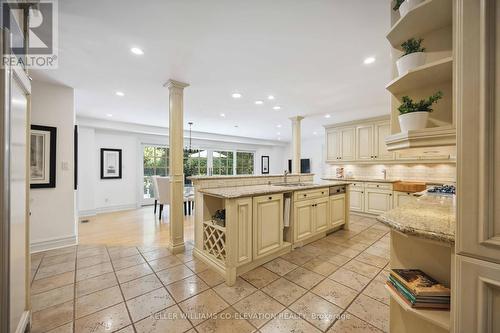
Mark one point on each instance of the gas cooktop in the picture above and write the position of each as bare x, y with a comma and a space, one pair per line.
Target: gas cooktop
445, 189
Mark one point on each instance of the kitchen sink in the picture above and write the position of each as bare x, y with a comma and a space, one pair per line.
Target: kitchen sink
291, 184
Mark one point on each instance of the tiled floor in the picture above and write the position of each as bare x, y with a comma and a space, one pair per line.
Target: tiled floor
335, 284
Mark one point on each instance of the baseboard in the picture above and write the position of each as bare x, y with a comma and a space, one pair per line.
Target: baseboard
107, 209
53, 243
87, 213
364, 214
23, 322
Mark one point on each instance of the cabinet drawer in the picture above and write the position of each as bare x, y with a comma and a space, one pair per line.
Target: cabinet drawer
359, 185
311, 194
382, 186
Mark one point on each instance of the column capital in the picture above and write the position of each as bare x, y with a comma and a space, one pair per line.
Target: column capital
175, 84
296, 118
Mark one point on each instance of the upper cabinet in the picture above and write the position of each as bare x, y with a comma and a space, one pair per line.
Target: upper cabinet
421, 75
341, 144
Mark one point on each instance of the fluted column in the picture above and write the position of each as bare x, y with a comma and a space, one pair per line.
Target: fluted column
176, 158
296, 139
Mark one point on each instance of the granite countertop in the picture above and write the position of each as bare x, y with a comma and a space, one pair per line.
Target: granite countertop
255, 190
429, 216
388, 180
246, 176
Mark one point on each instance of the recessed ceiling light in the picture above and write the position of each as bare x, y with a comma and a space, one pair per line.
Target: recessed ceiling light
270, 97
327, 116
120, 93
277, 107
279, 125
279, 139
236, 95
278, 133
137, 51
223, 115
259, 102
369, 60
315, 133
109, 115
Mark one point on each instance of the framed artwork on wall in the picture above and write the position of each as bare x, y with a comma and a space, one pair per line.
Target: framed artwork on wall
111, 163
265, 165
43, 145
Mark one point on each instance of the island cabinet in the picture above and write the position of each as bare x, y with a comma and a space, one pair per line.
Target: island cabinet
311, 216
377, 201
337, 210
268, 224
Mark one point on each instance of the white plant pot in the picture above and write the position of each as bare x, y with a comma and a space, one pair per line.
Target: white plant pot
408, 5
409, 62
413, 121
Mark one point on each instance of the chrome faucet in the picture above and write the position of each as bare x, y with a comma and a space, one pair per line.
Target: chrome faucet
384, 172
285, 174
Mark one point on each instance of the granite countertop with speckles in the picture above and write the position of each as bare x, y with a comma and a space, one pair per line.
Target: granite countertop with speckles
429, 216
256, 190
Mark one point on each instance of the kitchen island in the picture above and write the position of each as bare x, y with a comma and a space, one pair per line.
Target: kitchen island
238, 228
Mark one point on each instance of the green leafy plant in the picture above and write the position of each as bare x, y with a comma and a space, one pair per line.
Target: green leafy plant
397, 4
424, 105
412, 45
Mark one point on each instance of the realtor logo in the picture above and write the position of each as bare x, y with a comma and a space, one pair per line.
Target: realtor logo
33, 33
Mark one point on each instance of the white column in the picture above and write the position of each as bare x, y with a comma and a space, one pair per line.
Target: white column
176, 156
296, 139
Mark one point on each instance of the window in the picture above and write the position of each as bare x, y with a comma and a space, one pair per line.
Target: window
155, 164
195, 162
244, 163
222, 162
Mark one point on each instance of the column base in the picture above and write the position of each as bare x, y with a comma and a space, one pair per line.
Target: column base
177, 248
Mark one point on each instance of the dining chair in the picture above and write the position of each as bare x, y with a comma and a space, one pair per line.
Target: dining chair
188, 200
163, 193
154, 182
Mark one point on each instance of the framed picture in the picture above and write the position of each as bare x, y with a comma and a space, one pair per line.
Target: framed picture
111, 163
43, 143
265, 164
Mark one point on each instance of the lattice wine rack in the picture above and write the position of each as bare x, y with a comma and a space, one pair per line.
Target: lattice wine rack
214, 240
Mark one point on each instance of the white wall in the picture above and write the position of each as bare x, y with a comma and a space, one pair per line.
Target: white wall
53, 221
96, 195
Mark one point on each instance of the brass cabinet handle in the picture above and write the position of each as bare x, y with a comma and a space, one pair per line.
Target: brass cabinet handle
270, 198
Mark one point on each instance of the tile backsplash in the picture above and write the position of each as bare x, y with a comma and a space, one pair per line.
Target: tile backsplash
420, 172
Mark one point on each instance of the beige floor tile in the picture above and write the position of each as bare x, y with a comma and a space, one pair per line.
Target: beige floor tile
107, 320
334, 258
352, 324
304, 277
91, 252
97, 301
89, 286
280, 266
66, 328
133, 272
52, 297
56, 269
320, 266
52, 317
128, 262
211, 277
349, 278
226, 322
128, 329
371, 311
196, 265
284, 291
233, 294
200, 307
347, 252
157, 254
56, 281
287, 321
379, 251
260, 277
93, 271
258, 308
364, 269
186, 288
170, 320
150, 303
371, 259
92, 260
376, 290
165, 262
335, 293
185, 256
56, 252
59, 259
297, 257
173, 274
313, 250
140, 286
122, 252
316, 310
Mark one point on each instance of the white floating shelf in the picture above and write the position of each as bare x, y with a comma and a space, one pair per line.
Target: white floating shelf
430, 15
428, 137
432, 73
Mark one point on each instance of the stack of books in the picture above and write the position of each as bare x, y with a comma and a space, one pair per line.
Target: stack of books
418, 289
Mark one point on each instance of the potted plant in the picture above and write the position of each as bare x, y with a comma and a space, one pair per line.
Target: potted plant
413, 116
404, 6
413, 56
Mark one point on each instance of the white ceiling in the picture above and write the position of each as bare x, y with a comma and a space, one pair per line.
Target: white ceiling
307, 53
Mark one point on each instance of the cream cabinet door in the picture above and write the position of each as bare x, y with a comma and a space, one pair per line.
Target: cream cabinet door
401, 198
267, 224
381, 131
244, 211
337, 210
303, 219
321, 215
377, 201
332, 145
357, 200
348, 146
364, 143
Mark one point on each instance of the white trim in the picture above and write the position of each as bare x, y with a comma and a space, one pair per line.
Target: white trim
53, 243
87, 213
23, 322
117, 208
